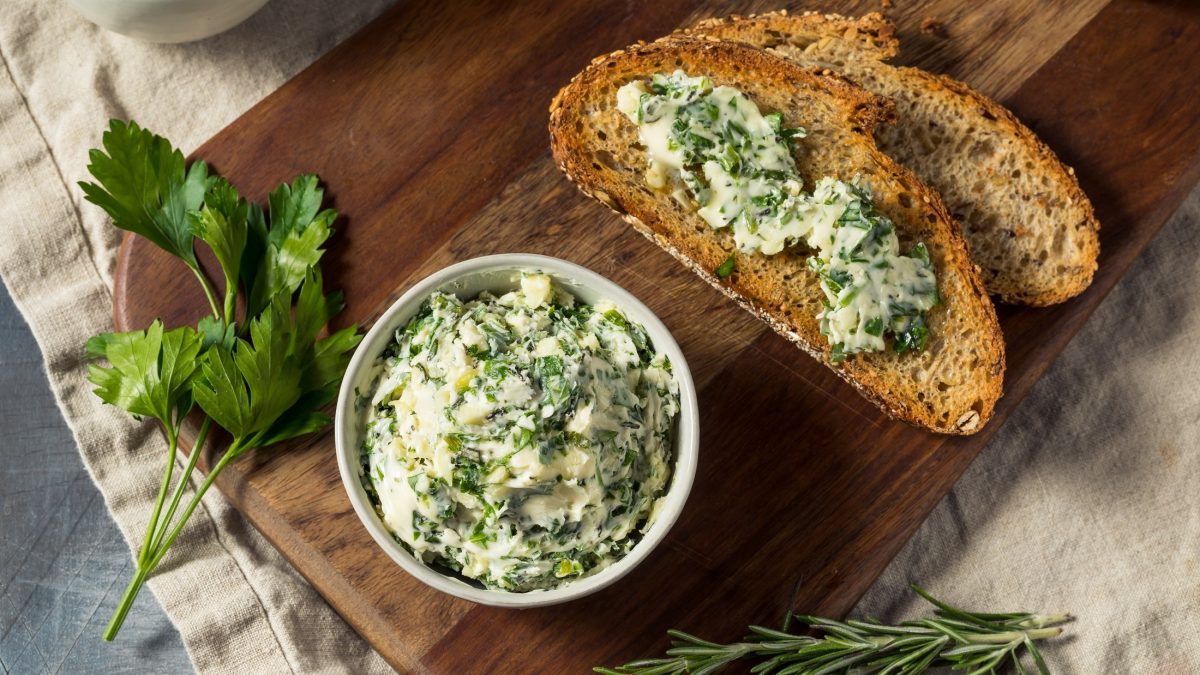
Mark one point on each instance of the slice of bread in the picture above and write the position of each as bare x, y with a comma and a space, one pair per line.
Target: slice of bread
950, 387
1030, 228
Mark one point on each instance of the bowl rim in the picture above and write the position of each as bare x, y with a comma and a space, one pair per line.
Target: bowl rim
687, 437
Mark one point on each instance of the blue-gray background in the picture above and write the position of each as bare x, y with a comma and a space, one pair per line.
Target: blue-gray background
63, 563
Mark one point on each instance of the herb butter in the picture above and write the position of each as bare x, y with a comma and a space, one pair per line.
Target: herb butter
713, 149
522, 440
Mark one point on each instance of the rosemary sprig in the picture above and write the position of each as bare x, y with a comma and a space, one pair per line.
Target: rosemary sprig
974, 642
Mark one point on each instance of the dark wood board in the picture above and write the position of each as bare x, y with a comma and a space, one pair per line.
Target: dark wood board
428, 128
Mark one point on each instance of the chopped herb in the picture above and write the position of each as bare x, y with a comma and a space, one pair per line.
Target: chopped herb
738, 167
726, 268
489, 468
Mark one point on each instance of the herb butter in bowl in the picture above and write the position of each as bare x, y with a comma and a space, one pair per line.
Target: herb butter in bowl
517, 431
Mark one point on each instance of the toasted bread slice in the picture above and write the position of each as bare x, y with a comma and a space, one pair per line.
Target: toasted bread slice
950, 387
1030, 228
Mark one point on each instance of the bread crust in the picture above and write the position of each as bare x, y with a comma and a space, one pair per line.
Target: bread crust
965, 396
871, 33
1014, 272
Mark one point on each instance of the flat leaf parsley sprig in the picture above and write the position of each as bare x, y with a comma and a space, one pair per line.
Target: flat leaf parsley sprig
978, 643
262, 375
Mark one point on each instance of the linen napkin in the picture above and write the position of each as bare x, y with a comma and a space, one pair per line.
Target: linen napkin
1086, 500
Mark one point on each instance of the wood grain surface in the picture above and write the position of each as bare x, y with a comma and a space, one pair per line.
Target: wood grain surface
428, 128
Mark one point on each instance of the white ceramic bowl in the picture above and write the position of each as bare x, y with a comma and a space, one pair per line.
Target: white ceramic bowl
167, 20
502, 273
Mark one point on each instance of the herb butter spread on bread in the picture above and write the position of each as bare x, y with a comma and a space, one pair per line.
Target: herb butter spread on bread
1030, 227
950, 386
713, 147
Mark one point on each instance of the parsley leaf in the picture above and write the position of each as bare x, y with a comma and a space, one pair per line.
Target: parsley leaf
222, 392
303, 420
246, 387
330, 356
314, 309
321, 363
143, 186
221, 223
294, 206
150, 372
214, 331
293, 240
255, 249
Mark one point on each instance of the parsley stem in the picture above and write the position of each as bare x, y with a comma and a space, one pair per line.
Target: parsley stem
152, 526
233, 451
208, 291
131, 591
197, 446
152, 552
230, 304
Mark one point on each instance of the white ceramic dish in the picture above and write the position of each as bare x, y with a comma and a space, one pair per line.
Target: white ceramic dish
167, 20
501, 273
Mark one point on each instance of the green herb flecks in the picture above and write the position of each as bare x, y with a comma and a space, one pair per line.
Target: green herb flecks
726, 268
544, 398
738, 167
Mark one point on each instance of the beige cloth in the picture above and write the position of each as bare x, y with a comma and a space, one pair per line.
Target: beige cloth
1088, 498
1085, 501
239, 606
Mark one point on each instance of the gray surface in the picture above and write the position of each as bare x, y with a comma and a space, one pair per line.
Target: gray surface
63, 563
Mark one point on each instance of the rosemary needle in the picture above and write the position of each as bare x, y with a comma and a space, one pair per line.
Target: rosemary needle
973, 642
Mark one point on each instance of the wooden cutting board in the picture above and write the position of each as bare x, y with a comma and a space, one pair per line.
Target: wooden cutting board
429, 130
